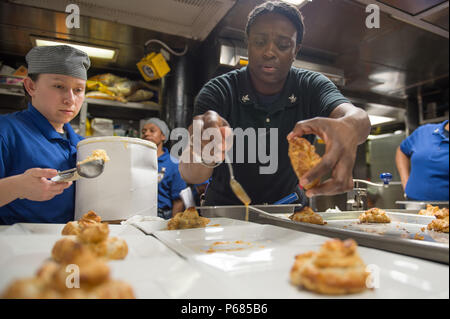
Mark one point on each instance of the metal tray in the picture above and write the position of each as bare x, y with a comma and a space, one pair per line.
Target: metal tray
398, 236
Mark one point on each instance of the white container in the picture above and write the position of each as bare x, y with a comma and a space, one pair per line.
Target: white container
128, 185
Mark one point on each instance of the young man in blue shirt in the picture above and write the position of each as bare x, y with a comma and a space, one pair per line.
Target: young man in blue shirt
422, 162
170, 183
37, 142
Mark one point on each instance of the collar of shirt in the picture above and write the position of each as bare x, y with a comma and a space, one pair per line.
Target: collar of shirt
440, 131
164, 156
47, 129
248, 96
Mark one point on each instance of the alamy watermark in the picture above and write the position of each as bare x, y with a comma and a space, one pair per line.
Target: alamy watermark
252, 145
73, 18
373, 19
73, 279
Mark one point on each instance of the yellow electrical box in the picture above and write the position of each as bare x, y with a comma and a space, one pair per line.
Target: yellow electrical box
153, 66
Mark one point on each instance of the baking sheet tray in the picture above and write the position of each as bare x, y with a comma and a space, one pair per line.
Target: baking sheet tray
398, 236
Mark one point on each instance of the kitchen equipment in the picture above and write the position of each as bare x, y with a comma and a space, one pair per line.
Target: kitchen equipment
288, 199
90, 169
398, 236
357, 199
128, 185
237, 189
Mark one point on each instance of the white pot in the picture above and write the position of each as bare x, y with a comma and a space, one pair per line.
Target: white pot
128, 185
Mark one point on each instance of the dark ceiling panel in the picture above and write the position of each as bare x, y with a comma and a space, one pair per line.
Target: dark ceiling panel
439, 19
412, 7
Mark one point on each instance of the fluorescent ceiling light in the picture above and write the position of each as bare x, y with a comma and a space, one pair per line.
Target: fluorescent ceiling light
92, 51
377, 119
296, 2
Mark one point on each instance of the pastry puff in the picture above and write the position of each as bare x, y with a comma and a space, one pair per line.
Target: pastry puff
336, 269
307, 215
303, 158
111, 248
374, 215
50, 281
187, 219
75, 227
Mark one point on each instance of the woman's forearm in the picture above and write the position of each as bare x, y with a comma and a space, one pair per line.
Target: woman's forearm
403, 166
9, 189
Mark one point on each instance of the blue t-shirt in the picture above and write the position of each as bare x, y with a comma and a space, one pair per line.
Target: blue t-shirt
28, 140
427, 147
170, 183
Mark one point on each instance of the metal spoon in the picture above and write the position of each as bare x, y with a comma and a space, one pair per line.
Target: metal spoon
88, 169
237, 188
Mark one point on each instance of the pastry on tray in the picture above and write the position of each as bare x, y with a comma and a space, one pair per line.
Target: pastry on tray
432, 211
187, 219
374, 215
337, 269
307, 215
75, 227
303, 158
440, 224
54, 281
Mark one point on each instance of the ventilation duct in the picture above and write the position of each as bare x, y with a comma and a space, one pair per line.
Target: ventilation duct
192, 19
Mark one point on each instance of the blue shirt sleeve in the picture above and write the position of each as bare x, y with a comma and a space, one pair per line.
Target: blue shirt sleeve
3, 156
407, 145
178, 184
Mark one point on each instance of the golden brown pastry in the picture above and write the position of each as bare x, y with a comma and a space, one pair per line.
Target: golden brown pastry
374, 215
429, 211
75, 227
336, 269
111, 248
303, 158
441, 213
51, 280
187, 219
439, 225
94, 233
307, 215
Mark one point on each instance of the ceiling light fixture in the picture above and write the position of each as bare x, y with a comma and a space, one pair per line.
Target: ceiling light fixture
297, 2
92, 51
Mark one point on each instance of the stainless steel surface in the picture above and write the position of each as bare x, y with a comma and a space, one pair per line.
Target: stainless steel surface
90, 169
429, 249
417, 205
238, 211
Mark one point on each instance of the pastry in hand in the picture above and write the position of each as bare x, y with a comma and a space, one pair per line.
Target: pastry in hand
307, 215
75, 227
337, 269
187, 219
303, 158
374, 215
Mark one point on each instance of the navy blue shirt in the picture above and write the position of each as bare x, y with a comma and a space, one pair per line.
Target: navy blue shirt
427, 148
28, 140
170, 183
305, 95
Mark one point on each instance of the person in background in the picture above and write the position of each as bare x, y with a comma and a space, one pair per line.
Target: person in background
170, 183
270, 94
38, 141
422, 162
